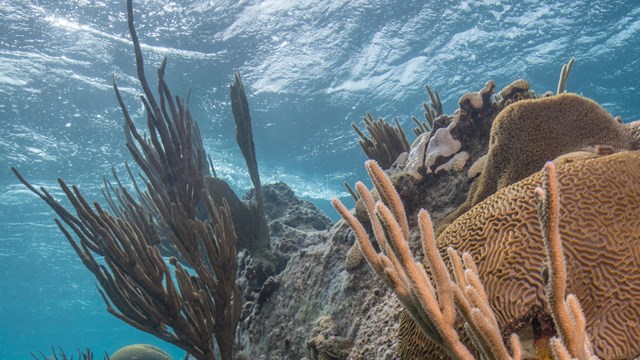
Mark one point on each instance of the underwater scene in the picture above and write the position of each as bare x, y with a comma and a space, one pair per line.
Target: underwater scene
319, 180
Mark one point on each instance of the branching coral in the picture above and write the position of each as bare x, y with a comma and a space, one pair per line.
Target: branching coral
183, 207
564, 75
434, 314
431, 112
136, 283
87, 354
385, 143
572, 341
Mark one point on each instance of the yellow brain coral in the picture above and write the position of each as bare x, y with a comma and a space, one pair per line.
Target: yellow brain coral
600, 228
528, 133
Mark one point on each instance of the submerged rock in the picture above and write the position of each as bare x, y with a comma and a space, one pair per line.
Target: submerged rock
314, 287
324, 304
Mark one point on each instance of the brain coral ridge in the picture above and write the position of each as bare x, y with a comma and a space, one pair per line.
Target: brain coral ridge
528, 133
600, 229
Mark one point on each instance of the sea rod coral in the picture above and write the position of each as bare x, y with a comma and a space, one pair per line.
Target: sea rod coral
183, 212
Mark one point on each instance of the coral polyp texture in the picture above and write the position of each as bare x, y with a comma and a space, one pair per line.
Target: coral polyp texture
600, 229
529, 132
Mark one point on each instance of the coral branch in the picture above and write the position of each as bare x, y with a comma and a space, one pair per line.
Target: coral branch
431, 112
566, 311
564, 75
244, 138
385, 143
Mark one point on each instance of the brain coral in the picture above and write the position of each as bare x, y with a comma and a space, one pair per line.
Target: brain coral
528, 133
140, 352
600, 229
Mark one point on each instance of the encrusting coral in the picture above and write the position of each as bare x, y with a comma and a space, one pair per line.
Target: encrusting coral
429, 296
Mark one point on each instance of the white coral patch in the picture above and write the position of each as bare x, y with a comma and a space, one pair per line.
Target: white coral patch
456, 163
441, 144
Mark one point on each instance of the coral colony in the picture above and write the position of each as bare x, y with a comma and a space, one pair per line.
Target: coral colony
536, 199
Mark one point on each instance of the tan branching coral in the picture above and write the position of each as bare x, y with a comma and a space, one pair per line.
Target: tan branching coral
429, 300
572, 341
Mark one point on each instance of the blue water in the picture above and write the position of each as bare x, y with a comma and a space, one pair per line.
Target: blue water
310, 68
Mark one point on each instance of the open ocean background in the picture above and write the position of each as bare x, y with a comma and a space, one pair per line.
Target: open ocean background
310, 68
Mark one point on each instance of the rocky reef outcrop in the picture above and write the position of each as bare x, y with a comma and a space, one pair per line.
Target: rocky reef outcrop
326, 303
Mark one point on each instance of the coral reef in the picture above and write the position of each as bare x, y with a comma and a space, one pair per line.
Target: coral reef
478, 113
306, 294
